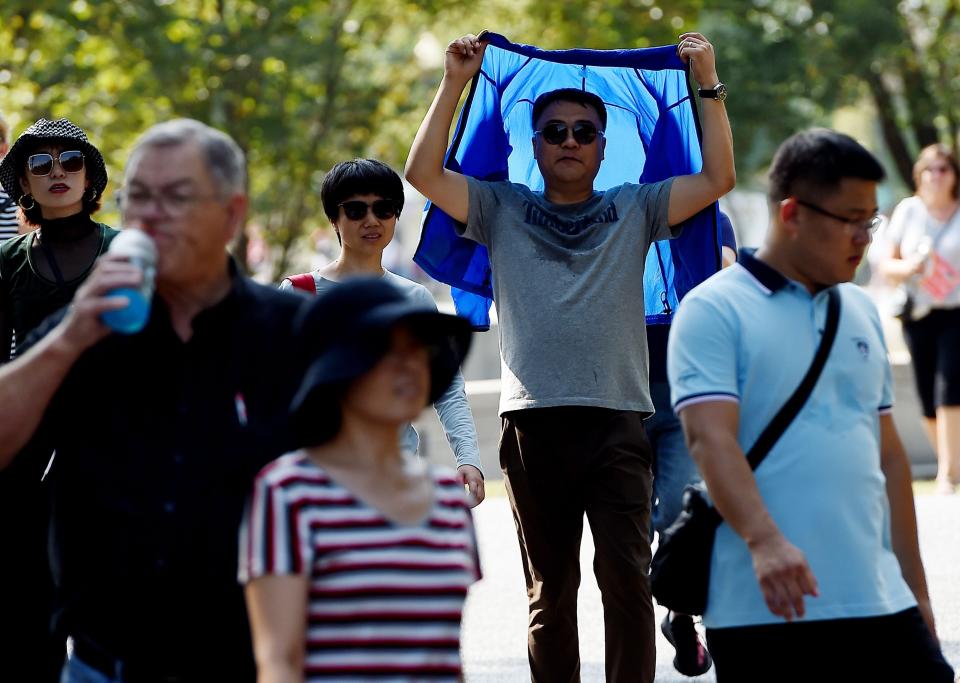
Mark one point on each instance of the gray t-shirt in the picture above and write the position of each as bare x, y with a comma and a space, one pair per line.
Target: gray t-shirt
568, 283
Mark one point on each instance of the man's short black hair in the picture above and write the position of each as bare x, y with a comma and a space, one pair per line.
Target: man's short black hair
587, 99
359, 176
812, 163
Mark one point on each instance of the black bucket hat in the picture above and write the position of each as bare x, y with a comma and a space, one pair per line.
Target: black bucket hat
44, 131
344, 332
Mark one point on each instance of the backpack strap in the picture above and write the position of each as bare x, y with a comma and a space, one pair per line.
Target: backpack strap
304, 282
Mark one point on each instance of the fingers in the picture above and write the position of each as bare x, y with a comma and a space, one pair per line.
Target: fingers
691, 47
477, 492
468, 46
784, 591
784, 576
472, 479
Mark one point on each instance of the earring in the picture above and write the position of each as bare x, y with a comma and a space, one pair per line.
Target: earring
33, 202
93, 194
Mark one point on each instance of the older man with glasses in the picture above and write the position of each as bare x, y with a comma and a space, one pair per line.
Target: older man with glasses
568, 267
159, 434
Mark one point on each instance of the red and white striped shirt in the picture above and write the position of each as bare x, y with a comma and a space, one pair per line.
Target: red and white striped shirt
385, 599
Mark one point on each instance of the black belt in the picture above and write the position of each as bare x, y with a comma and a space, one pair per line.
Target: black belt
97, 658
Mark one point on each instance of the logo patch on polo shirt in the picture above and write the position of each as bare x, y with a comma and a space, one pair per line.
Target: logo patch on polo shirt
863, 346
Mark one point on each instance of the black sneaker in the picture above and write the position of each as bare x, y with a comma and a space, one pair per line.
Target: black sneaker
692, 657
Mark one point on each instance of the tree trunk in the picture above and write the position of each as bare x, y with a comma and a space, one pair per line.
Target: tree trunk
892, 136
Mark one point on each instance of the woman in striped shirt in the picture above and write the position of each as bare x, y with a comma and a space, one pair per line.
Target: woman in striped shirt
356, 555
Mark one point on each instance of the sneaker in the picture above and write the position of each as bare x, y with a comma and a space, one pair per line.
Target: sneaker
692, 658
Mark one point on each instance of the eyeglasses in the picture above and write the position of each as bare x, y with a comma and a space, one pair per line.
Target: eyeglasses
584, 133
383, 209
851, 225
174, 204
71, 161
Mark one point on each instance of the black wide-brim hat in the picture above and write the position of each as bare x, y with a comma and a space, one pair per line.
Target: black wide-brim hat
61, 131
345, 331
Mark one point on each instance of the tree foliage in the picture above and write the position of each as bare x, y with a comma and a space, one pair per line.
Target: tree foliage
303, 84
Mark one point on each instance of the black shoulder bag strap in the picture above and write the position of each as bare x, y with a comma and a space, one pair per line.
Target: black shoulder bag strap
778, 425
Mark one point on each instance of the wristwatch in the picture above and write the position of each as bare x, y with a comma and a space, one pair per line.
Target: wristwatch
717, 92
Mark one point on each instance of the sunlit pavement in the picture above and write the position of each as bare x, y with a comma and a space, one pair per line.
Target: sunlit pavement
494, 638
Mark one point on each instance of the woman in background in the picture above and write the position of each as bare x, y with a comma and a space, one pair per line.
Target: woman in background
925, 236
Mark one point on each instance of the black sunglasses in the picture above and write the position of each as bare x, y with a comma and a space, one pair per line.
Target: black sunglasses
382, 209
71, 161
584, 133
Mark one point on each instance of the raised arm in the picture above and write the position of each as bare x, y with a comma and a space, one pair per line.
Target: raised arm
692, 193
903, 516
781, 568
424, 169
28, 383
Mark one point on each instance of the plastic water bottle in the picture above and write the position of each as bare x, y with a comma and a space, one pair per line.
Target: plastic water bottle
140, 251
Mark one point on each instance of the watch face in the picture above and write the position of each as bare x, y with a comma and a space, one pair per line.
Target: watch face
721, 91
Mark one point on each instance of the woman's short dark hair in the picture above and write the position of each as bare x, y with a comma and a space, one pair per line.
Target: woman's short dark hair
587, 99
359, 176
34, 215
813, 163
931, 153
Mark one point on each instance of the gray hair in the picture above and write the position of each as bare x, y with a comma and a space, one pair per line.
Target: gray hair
225, 160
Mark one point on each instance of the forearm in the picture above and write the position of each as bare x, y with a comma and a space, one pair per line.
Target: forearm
27, 385
732, 487
430, 144
456, 418
903, 518
896, 270
280, 671
718, 165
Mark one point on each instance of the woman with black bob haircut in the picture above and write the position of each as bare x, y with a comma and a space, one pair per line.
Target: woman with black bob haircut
356, 554
359, 177
57, 178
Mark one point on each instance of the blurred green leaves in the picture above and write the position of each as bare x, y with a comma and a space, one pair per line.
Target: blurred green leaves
304, 84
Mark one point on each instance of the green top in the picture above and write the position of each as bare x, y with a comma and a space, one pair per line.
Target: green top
26, 297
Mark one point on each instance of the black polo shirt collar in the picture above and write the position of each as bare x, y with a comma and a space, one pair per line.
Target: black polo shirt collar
769, 279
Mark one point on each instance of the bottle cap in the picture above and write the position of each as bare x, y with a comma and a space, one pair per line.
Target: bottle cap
134, 244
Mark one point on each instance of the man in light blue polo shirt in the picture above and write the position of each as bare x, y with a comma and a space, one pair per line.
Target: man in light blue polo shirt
817, 563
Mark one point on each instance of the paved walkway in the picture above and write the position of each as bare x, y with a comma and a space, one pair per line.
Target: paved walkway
494, 638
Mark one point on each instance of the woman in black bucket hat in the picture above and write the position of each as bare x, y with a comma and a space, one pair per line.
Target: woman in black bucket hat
351, 542
57, 178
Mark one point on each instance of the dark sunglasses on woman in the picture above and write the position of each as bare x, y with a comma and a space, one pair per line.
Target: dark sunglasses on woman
382, 208
71, 161
584, 133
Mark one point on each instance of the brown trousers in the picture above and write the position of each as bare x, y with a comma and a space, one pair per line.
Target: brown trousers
560, 463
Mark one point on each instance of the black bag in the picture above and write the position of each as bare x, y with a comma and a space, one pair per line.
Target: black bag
680, 570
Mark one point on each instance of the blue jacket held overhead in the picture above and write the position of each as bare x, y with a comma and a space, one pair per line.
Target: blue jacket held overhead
652, 133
